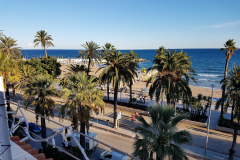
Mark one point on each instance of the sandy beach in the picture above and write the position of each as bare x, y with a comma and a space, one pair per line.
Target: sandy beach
195, 89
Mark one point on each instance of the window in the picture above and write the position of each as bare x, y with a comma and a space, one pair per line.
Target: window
108, 156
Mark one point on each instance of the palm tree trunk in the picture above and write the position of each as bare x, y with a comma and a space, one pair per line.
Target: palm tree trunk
8, 106
82, 138
168, 98
223, 90
45, 51
108, 89
43, 130
89, 62
14, 92
130, 87
115, 103
232, 150
232, 113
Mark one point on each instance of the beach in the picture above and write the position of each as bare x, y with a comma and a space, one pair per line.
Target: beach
138, 85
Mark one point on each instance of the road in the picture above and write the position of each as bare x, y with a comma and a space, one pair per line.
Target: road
121, 143
218, 141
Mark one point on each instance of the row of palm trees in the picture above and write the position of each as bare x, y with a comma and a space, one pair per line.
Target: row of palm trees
172, 78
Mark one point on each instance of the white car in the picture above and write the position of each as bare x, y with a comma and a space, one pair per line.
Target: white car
107, 155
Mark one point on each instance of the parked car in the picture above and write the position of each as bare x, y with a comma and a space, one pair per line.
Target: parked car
32, 126
107, 155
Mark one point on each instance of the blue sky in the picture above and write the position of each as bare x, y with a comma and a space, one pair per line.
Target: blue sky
127, 24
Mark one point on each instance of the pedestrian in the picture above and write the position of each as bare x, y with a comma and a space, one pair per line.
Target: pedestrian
132, 117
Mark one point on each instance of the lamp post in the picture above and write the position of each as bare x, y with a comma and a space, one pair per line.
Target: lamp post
209, 117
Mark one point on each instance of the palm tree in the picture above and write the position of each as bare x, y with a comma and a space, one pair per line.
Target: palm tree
45, 40
39, 94
90, 52
85, 97
160, 137
119, 71
229, 47
172, 74
232, 84
133, 65
7, 45
26, 72
108, 48
77, 68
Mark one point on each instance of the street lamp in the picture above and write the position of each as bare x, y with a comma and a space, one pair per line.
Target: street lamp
209, 117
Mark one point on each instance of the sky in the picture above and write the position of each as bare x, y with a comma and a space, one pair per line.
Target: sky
127, 24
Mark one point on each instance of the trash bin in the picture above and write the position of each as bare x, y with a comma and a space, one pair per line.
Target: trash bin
107, 122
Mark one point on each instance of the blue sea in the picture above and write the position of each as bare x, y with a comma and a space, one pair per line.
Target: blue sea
208, 63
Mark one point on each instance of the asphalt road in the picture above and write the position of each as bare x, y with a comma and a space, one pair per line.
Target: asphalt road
121, 143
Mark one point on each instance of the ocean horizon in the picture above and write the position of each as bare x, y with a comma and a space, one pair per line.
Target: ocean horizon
208, 63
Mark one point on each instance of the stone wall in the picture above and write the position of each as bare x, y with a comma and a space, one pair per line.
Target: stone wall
225, 129
199, 124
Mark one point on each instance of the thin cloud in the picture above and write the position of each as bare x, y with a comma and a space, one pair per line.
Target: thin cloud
30, 44
230, 24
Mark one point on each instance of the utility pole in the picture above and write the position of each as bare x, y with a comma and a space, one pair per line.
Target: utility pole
5, 147
209, 117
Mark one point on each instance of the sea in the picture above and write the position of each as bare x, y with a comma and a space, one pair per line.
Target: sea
208, 63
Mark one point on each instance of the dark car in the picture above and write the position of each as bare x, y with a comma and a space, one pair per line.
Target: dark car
32, 126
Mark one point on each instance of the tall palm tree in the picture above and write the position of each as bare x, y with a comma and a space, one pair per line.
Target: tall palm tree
230, 48
26, 72
8, 46
133, 65
39, 94
119, 70
45, 40
84, 98
160, 137
172, 74
108, 48
90, 52
232, 84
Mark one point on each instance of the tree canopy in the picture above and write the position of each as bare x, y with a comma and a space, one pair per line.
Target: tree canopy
44, 66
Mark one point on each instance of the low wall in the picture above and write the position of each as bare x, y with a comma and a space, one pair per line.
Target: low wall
199, 124
225, 129
146, 113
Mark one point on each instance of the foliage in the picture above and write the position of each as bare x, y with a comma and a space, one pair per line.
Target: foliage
19, 132
39, 94
8, 46
160, 137
77, 68
26, 72
117, 69
108, 49
51, 152
230, 98
197, 107
229, 47
9, 69
172, 74
44, 66
45, 40
84, 97
90, 52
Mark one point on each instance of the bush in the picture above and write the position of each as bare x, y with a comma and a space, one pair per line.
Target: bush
51, 152
44, 66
